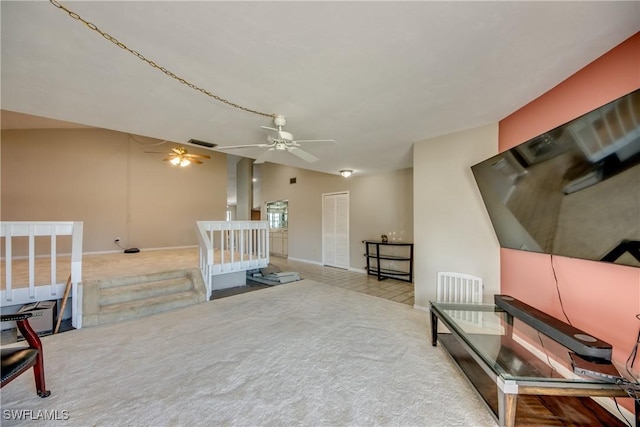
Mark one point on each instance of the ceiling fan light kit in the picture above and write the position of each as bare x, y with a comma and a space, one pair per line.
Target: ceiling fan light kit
179, 156
176, 161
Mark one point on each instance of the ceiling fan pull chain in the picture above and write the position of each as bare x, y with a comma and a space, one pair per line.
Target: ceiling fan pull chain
121, 45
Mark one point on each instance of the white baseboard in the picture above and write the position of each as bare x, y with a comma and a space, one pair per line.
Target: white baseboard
421, 307
306, 261
21, 257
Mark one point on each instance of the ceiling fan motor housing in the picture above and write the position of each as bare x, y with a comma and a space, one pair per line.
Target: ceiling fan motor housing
279, 120
285, 135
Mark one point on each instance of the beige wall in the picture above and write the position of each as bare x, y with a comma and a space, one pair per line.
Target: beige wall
105, 179
452, 228
381, 203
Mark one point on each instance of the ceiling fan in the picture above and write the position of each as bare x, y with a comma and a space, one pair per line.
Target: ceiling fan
281, 140
179, 156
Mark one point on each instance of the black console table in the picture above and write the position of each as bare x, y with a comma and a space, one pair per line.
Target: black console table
389, 260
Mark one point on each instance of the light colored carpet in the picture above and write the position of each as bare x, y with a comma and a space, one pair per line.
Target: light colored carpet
300, 354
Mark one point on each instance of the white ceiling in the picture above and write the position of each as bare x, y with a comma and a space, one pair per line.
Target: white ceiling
375, 76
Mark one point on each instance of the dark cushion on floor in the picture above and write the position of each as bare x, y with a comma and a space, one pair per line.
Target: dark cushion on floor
16, 359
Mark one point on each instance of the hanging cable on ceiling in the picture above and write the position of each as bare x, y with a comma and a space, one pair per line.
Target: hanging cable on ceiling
121, 45
150, 144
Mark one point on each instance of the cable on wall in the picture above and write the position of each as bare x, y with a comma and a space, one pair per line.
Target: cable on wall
630, 390
632, 357
615, 400
553, 369
555, 277
151, 144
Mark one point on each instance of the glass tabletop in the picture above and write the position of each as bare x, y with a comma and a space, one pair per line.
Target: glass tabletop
514, 350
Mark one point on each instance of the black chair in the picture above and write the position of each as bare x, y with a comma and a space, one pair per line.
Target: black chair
16, 360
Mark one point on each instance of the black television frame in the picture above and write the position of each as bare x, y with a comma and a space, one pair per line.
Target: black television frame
573, 191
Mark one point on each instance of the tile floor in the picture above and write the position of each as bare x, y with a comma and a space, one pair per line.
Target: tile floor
394, 290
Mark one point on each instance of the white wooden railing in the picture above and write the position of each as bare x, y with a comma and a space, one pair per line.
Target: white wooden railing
231, 246
35, 231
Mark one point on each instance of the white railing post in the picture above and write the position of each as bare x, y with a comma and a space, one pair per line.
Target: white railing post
76, 274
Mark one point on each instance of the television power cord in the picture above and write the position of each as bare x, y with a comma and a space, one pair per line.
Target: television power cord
632, 388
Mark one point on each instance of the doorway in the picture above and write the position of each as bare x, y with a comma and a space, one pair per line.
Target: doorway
335, 230
278, 218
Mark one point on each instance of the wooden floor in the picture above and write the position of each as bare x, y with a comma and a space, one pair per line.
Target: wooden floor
532, 411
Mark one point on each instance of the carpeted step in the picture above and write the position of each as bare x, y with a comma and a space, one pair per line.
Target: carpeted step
138, 291
116, 282
157, 304
121, 298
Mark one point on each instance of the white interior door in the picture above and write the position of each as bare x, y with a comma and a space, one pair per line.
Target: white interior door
335, 230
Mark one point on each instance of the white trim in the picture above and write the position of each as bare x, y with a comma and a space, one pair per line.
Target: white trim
165, 248
306, 261
21, 296
421, 308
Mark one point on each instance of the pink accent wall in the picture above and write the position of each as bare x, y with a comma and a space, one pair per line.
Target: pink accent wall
599, 298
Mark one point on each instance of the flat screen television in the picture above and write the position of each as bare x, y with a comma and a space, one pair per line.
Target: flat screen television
573, 191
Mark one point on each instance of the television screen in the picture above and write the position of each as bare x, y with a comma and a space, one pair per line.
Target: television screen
573, 191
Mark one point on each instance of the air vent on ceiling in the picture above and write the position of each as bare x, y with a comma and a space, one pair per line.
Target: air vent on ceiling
202, 143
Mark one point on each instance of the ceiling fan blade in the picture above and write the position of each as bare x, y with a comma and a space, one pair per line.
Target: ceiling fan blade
263, 157
198, 162
197, 156
315, 140
155, 152
310, 158
231, 147
272, 133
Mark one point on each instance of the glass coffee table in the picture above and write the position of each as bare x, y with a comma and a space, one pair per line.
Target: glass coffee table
489, 344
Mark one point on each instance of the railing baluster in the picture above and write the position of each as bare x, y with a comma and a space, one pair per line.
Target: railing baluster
32, 261
222, 246
240, 243
53, 260
8, 254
